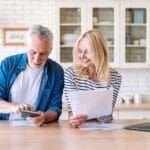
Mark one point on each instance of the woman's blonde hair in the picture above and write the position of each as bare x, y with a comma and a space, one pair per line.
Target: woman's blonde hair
99, 52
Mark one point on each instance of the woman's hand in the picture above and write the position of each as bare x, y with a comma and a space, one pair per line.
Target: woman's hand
76, 120
39, 120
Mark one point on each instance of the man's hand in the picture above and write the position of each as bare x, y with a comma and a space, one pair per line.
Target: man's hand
76, 120
39, 120
19, 107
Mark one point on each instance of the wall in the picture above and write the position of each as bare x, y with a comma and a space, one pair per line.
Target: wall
20, 13
23, 13
135, 81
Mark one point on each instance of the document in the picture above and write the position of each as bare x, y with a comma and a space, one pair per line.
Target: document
23, 123
100, 126
93, 103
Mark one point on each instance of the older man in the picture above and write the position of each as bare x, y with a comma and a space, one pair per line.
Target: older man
32, 81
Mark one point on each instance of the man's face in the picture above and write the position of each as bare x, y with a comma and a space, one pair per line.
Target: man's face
38, 50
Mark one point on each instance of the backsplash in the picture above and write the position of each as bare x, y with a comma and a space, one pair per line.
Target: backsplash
135, 81
25, 13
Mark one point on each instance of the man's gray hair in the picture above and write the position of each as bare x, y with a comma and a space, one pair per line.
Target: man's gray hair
40, 31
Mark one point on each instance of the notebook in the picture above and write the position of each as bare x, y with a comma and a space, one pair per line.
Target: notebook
139, 127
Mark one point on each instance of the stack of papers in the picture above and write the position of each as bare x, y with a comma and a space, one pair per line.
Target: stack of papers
93, 103
98, 126
23, 123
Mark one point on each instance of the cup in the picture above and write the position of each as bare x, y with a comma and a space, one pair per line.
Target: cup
127, 99
137, 98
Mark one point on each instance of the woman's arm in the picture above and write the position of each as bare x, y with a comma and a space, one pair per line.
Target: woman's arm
116, 83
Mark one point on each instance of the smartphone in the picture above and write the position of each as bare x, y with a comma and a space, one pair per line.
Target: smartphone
26, 113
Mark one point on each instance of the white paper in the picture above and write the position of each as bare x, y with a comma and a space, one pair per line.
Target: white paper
93, 103
98, 126
23, 123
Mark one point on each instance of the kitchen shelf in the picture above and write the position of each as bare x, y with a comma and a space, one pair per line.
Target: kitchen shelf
104, 24
110, 45
63, 46
132, 45
136, 24
70, 24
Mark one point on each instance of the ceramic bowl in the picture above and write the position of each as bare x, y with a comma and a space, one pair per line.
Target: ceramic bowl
69, 38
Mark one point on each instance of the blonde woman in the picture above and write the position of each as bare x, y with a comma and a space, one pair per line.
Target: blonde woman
90, 71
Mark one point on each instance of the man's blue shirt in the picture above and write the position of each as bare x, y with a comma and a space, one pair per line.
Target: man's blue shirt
51, 87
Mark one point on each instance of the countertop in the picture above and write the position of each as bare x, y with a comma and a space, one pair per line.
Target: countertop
132, 107
125, 107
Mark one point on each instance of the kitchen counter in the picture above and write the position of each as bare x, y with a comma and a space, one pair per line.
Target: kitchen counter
125, 107
132, 107
123, 111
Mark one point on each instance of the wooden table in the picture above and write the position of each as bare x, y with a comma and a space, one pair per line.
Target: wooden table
60, 136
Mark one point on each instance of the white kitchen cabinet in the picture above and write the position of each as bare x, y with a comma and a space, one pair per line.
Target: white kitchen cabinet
70, 21
124, 23
145, 114
131, 115
135, 34
132, 111
73, 18
104, 15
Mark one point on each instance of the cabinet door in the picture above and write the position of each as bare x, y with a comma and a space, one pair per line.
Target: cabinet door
134, 114
69, 23
134, 34
115, 114
145, 114
104, 16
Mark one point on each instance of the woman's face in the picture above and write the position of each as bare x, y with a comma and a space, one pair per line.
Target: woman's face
83, 54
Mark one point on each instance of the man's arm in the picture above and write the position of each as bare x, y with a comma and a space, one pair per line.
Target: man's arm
7, 107
50, 116
47, 117
55, 105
